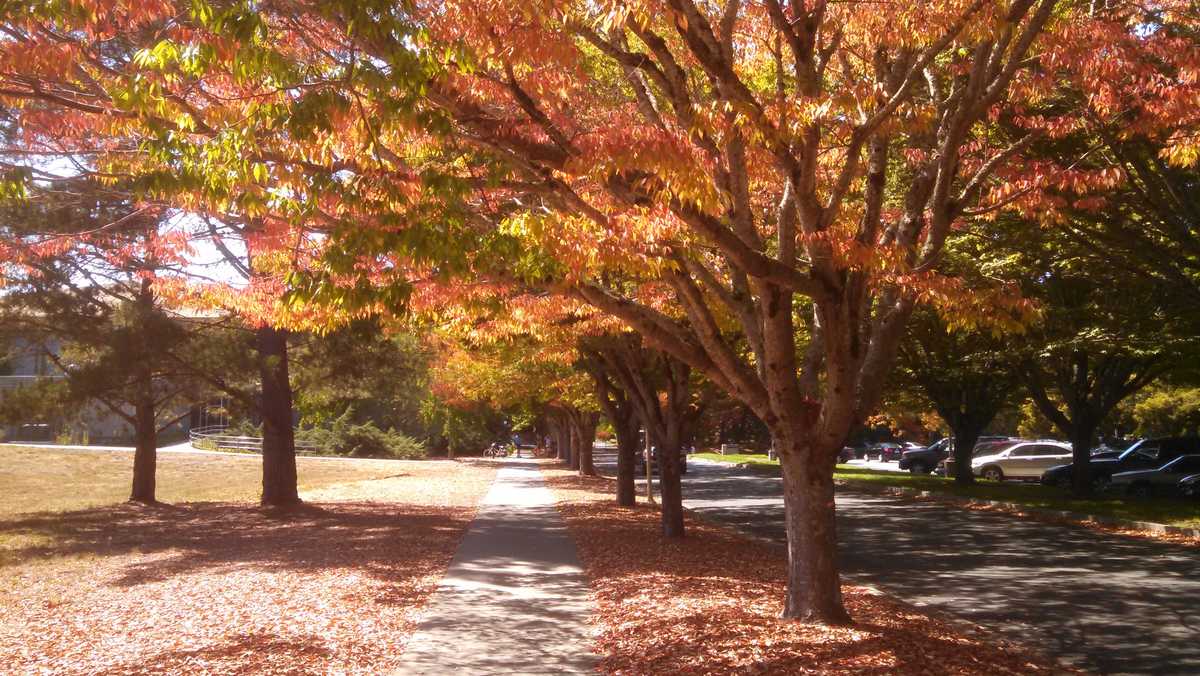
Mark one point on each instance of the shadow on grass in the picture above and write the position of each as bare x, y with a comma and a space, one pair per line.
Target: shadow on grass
272, 654
176, 540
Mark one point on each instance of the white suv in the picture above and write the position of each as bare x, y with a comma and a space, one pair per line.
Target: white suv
1024, 460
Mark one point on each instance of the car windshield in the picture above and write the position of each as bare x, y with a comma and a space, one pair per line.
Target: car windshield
1001, 448
1143, 448
1185, 464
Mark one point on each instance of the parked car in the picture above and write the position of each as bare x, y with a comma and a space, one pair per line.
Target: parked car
860, 450
925, 460
886, 451
984, 445
1145, 454
846, 454
992, 445
1189, 486
1022, 460
1144, 483
639, 463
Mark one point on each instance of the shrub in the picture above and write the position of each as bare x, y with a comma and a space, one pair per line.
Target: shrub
361, 440
243, 428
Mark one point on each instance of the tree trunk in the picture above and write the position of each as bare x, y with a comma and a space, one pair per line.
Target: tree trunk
555, 423
1084, 421
965, 436
1083, 434
814, 590
627, 448
587, 443
145, 424
279, 445
145, 454
670, 489
576, 444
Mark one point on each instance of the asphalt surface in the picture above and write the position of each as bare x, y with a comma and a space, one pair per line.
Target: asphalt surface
515, 599
1103, 603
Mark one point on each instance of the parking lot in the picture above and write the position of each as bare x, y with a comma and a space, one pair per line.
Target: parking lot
1102, 602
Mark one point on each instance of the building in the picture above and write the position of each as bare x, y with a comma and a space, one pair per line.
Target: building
25, 362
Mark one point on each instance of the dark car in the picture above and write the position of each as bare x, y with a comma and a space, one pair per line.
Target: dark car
640, 462
1145, 454
1189, 486
847, 454
886, 451
1165, 480
925, 460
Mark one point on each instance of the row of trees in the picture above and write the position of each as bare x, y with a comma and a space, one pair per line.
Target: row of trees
764, 192
92, 287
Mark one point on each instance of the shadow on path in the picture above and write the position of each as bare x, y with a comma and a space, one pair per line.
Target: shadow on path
515, 599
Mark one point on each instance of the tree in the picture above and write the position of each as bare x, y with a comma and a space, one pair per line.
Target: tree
661, 391
786, 174
756, 158
1117, 169
965, 374
619, 407
104, 92
1101, 336
88, 304
1168, 410
380, 372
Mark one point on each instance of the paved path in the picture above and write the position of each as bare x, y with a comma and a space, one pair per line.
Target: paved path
1107, 603
514, 600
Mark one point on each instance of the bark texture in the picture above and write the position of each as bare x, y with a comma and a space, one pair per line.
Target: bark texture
145, 453
814, 590
279, 444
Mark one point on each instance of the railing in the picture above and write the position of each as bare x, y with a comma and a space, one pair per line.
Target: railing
211, 438
9, 382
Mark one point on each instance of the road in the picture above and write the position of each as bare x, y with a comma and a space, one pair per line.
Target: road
1104, 603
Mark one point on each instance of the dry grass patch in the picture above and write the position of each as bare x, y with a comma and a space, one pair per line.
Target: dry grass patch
710, 604
44, 479
329, 587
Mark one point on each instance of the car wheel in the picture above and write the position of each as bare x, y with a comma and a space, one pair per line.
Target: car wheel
1100, 483
993, 473
1140, 490
918, 468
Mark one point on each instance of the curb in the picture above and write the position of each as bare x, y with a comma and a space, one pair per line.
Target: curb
1076, 517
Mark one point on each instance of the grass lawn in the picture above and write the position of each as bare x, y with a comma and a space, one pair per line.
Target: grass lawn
1171, 512
213, 583
42, 479
710, 604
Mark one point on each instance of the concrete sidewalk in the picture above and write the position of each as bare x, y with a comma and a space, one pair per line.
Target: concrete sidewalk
515, 600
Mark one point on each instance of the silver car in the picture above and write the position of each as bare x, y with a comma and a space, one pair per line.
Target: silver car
1023, 460
1146, 482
